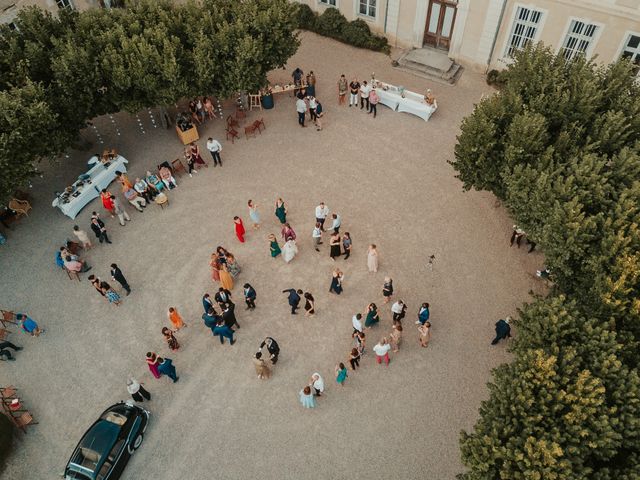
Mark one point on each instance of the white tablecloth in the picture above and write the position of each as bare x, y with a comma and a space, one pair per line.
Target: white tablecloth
411, 103
101, 177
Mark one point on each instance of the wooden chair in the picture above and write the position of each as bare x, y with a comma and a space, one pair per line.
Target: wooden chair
232, 122
231, 132
23, 420
8, 317
4, 333
177, 165
241, 114
259, 124
8, 392
250, 130
254, 102
71, 274
22, 207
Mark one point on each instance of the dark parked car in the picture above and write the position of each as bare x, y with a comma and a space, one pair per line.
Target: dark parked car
106, 447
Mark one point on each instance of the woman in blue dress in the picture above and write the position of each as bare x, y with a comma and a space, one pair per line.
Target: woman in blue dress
306, 398
254, 215
336, 282
372, 316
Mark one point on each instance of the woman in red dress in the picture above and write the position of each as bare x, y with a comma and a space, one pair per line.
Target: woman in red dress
195, 153
107, 202
152, 362
239, 228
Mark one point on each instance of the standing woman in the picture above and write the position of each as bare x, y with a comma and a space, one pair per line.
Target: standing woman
346, 244
359, 341
222, 255
281, 211
262, 369
289, 250
233, 266
342, 89
309, 305
273, 246
110, 293
172, 341
395, 338
195, 154
215, 268
424, 332
152, 363
336, 282
306, 398
372, 316
175, 318
387, 289
107, 202
253, 214
372, 258
240, 231
226, 280
354, 358
334, 243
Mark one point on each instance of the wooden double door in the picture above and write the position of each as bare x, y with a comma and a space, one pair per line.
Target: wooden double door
441, 17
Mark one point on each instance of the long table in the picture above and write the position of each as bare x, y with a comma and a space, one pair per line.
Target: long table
411, 102
100, 176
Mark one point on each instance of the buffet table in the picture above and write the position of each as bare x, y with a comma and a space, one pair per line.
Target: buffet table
404, 100
89, 186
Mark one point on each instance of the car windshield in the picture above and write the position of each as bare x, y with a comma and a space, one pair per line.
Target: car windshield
74, 475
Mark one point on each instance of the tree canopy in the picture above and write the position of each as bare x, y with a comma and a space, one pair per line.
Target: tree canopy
57, 72
559, 144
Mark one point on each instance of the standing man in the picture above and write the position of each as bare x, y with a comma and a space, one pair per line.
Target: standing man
317, 236
165, 367
337, 221
322, 212
214, 148
317, 383
503, 330
272, 347
294, 299
211, 319
117, 275
207, 303
249, 296
223, 296
97, 226
120, 211
398, 309
301, 108
229, 316
221, 330
365, 89
297, 80
356, 321
354, 88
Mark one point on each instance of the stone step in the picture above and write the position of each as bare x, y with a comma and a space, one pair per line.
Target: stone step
450, 76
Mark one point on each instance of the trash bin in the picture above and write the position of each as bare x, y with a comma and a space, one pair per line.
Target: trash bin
267, 101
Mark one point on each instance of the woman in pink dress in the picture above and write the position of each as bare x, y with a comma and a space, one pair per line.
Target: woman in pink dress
239, 228
215, 268
152, 362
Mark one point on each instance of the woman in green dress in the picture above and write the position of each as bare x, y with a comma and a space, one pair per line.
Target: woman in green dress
372, 316
273, 246
281, 211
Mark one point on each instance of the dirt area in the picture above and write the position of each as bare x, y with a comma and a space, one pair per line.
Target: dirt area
389, 179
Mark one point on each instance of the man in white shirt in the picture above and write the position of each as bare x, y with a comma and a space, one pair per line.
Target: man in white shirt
317, 236
337, 221
317, 384
215, 148
301, 108
382, 351
365, 90
322, 211
356, 321
398, 309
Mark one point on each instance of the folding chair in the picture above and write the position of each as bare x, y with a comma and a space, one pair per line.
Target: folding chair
259, 124
177, 165
250, 130
231, 132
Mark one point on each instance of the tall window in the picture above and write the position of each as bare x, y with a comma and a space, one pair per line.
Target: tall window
579, 39
64, 4
329, 2
632, 50
525, 26
368, 8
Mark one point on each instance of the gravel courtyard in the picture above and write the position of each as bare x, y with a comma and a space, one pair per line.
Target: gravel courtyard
389, 179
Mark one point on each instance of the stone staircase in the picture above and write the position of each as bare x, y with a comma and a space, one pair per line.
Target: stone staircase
430, 63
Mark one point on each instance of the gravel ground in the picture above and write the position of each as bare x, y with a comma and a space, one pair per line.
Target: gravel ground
389, 179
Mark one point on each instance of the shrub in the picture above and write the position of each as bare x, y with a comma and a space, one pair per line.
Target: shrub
495, 78
334, 25
305, 17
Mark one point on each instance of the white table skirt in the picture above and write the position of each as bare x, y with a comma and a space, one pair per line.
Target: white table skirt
100, 178
411, 103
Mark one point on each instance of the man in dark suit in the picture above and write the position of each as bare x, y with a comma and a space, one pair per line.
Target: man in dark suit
229, 316
117, 275
221, 330
97, 226
272, 347
210, 318
294, 299
503, 330
249, 296
223, 296
207, 303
